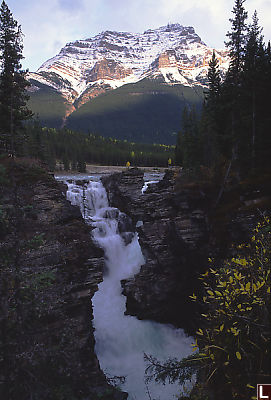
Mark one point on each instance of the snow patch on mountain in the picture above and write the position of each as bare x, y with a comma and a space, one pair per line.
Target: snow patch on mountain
111, 59
172, 75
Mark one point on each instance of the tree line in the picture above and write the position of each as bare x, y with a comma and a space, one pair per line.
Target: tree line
63, 148
232, 131
69, 150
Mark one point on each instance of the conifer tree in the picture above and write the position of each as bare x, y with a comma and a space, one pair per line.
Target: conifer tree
268, 52
188, 148
237, 40
13, 98
178, 150
214, 81
210, 119
253, 71
232, 84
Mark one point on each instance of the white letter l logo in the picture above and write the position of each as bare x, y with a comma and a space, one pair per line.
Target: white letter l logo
261, 394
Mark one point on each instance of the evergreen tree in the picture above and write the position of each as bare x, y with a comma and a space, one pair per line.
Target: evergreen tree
66, 162
214, 82
188, 150
253, 72
237, 40
211, 115
13, 98
178, 150
233, 132
81, 164
268, 53
232, 84
263, 116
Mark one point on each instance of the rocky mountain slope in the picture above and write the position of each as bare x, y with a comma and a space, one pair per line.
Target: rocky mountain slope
86, 69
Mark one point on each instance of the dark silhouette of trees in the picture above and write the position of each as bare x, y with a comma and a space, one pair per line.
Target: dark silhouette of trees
72, 150
234, 123
188, 142
237, 41
13, 97
211, 116
255, 87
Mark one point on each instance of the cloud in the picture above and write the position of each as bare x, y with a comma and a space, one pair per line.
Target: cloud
49, 25
46, 28
71, 5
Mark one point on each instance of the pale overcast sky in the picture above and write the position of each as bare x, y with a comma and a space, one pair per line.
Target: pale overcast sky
49, 24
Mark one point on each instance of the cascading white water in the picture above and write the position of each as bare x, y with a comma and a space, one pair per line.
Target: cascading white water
121, 340
146, 185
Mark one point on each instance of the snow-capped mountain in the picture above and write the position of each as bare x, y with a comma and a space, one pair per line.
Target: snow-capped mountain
86, 68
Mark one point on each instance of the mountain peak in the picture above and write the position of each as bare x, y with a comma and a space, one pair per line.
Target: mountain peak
173, 53
170, 27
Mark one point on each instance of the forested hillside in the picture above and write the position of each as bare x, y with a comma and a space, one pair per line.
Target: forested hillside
70, 150
146, 112
149, 111
125, 85
47, 104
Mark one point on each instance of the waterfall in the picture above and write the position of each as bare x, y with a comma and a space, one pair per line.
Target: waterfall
122, 340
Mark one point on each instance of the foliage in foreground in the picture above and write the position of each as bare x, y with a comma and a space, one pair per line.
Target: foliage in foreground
233, 346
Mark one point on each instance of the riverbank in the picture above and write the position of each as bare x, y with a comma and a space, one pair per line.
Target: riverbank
93, 169
49, 270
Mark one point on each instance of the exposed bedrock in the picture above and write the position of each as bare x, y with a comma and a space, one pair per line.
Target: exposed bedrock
62, 267
173, 239
180, 230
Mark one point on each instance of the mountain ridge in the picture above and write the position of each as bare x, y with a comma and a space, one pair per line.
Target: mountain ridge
83, 70
111, 59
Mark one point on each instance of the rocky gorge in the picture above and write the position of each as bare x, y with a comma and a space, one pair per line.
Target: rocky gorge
173, 234
179, 229
50, 269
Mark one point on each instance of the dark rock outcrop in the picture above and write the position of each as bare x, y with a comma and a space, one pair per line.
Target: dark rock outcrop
57, 268
179, 230
124, 191
173, 238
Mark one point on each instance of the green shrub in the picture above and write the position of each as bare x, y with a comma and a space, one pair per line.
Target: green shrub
235, 341
232, 347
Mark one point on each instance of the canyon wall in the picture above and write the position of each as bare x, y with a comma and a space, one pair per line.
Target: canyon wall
179, 229
56, 268
173, 237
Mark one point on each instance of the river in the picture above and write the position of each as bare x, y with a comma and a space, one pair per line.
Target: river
122, 340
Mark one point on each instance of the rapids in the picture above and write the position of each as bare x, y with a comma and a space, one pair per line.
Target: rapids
122, 340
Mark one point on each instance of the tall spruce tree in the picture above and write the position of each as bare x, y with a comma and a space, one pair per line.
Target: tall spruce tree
214, 81
188, 151
237, 40
13, 97
211, 115
232, 84
252, 76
